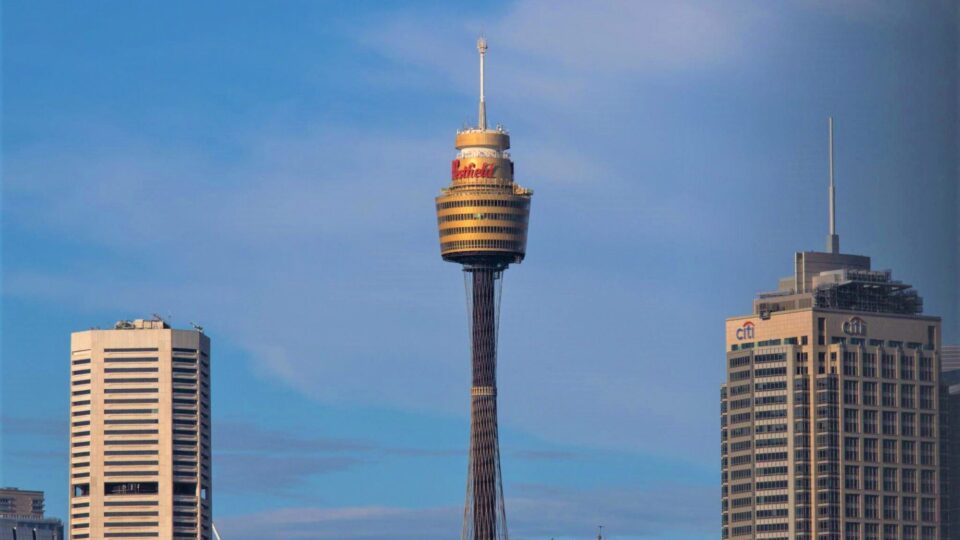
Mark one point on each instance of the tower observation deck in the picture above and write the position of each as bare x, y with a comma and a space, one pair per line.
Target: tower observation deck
482, 218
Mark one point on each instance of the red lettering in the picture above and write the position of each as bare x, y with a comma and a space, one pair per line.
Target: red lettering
486, 170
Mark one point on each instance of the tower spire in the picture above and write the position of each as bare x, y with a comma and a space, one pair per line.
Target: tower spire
482, 49
833, 239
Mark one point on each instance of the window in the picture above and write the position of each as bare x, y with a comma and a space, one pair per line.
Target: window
927, 482
889, 479
889, 451
926, 397
129, 488
851, 421
906, 396
869, 365
906, 367
870, 393
889, 395
928, 510
870, 506
184, 488
870, 478
908, 451
888, 367
870, 450
908, 510
869, 421
850, 449
739, 361
926, 425
850, 392
81, 490
926, 368
907, 424
852, 505
889, 507
849, 364
926, 453
908, 480
851, 477
889, 423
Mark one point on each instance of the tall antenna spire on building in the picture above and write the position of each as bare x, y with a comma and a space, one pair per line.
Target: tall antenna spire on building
833, 239
482, 48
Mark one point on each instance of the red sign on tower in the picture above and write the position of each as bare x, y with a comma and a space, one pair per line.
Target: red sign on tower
486, 170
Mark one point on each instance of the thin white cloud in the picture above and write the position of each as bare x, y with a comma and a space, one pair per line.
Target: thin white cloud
535, 512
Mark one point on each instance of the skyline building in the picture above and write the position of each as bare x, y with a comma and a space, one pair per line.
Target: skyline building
950, 422
830, 413
482, 218
21, 516
140, 464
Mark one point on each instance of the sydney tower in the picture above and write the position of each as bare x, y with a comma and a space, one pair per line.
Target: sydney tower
482, 218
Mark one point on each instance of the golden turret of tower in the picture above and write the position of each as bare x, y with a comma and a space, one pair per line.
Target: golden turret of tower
482, 215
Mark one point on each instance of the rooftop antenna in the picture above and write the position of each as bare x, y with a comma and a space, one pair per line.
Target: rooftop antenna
599, 532
482, 49
833, 240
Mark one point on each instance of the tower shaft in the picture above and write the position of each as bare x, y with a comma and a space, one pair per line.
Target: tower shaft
484, 498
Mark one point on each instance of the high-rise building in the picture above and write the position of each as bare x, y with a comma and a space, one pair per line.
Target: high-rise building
830, 411
950, 429
951, 358
21, 516
21, 502
140, 432
482, 217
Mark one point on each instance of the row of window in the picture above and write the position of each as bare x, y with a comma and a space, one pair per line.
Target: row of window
505, 245
871, 531
504, 203
519, 218
888, 366
911, 396
483, 229
927, 456
907, 479
906, 510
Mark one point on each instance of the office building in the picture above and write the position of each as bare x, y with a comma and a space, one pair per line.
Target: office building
21, 516
21, 502
482, 218
830, 422
140, 433
950, 429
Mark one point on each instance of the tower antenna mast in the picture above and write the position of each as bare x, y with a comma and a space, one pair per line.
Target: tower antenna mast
833, 240
482, 49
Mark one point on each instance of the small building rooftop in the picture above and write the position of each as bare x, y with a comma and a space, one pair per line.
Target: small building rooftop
142, 324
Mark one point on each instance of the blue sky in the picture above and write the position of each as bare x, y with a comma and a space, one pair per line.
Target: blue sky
268, 170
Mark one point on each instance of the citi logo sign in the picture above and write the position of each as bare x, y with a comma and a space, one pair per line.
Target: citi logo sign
745, 331
855, 327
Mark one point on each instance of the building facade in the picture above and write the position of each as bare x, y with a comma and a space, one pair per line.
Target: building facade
21, 502
21, 517
830, 414
950, 429
140, 464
